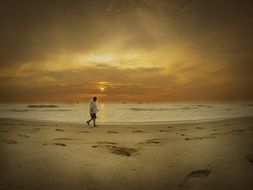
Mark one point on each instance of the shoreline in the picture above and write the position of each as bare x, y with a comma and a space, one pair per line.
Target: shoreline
131, 123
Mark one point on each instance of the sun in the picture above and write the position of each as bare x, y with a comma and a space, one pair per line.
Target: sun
102, 89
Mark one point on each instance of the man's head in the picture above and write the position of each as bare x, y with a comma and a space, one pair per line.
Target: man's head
94, 98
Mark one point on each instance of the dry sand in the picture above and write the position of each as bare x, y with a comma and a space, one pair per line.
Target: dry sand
50, 156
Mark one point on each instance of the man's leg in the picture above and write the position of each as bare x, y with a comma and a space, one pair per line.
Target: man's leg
88, 122
94, 121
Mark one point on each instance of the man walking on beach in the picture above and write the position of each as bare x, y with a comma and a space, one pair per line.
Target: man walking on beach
93, 111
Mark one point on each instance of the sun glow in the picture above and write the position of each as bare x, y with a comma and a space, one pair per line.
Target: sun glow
102, 89
116, 58
99, 58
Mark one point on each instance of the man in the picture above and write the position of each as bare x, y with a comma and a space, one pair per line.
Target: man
93, 111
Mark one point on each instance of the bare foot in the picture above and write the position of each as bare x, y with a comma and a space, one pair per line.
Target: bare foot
88, 122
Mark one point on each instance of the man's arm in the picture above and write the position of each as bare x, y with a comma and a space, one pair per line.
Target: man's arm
96, 107
91, 108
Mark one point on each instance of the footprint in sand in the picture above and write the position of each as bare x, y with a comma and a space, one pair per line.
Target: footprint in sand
112, 132
183, 129
199, 173
64, 138
196, 174
112, 146
250, 158
59, 130
199, 138
182, 134
123, 151
59, 144
138, 131
199, 128
104, 144
237, 130
153, 141
10, 141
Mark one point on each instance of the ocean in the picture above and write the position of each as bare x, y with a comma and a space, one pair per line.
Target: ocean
115, 113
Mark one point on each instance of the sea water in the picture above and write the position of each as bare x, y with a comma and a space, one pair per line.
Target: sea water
115, 113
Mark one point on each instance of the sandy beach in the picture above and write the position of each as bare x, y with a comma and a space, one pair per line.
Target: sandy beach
196, 155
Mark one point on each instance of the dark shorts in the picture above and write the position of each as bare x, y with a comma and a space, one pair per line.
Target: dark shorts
93, 116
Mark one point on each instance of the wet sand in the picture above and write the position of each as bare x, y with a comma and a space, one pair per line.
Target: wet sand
197, 155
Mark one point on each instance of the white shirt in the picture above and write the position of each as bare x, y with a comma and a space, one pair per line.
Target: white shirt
93, 107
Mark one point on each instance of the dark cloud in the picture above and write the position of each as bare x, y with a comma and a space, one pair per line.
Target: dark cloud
33, 30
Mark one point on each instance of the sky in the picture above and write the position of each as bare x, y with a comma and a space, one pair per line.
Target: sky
126, 50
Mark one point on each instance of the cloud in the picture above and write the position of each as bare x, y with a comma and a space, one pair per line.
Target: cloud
158, 49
